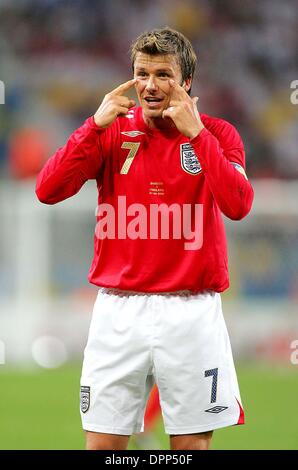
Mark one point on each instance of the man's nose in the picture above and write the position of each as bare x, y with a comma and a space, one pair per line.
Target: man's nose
151, 84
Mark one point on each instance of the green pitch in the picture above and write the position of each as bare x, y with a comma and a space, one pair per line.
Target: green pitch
39, 410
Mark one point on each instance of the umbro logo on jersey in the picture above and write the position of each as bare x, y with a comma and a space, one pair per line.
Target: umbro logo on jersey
189, 160
217, 409
132, 133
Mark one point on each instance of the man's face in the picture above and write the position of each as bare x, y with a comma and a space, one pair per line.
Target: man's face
153, 89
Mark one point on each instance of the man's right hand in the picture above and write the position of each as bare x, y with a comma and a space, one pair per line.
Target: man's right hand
114, 104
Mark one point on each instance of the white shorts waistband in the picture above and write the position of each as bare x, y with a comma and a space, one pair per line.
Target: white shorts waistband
127, 293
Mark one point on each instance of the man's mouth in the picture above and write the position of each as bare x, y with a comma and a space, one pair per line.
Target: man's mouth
153, 100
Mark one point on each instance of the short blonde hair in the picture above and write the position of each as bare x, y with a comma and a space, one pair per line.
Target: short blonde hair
167, 41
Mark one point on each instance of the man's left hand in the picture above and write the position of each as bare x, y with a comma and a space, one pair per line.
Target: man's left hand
183, 111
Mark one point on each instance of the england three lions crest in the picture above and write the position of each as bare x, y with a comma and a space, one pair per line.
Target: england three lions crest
85, 399
189, 160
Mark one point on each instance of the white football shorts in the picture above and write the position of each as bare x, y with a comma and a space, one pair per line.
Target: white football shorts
180, 342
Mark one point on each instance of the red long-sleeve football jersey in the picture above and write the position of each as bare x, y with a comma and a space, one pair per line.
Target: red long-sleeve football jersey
140, 173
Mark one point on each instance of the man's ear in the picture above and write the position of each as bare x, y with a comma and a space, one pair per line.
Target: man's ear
187, 84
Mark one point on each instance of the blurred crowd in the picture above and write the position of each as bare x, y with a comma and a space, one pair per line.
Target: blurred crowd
59, 57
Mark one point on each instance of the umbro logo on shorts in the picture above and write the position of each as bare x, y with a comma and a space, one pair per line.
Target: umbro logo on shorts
85, 399
217, 409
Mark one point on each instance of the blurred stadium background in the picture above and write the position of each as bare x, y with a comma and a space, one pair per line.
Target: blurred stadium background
57, 60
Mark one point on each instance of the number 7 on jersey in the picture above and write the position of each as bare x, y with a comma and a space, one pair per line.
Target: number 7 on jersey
133, 148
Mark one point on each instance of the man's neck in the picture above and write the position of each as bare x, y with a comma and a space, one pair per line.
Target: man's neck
159, 123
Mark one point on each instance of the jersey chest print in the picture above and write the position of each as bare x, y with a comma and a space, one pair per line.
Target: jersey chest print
189, 161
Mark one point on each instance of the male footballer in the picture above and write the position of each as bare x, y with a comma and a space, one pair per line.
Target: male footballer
165, 175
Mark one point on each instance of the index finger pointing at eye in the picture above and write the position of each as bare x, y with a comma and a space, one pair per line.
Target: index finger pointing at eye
177, 91
124, 87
